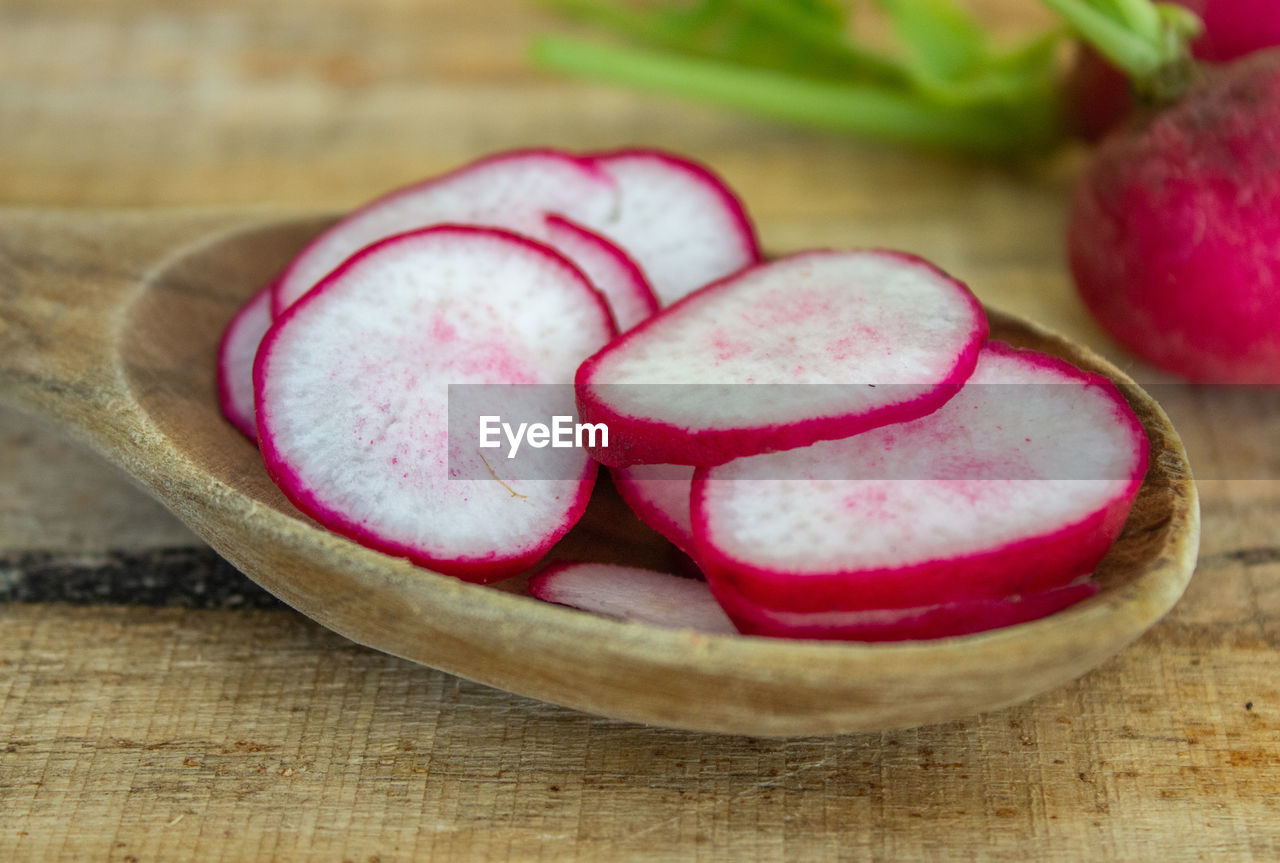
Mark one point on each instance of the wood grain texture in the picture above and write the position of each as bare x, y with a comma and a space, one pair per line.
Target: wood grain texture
303, 746
260, 735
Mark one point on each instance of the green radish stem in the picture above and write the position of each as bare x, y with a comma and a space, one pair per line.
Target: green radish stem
797, 61
814, 35
1148, 41
1121, 46
858, 108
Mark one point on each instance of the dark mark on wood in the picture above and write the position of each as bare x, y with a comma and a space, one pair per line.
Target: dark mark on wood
1259, 556
182, 577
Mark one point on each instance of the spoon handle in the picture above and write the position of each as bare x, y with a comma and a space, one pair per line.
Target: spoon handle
67, 281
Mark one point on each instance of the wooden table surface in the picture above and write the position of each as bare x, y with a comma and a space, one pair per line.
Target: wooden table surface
231, 728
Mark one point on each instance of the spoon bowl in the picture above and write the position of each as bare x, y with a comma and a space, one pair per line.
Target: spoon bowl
108, 328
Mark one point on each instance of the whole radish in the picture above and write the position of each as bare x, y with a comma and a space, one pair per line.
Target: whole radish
1234, 28
1098, 95
1174, 236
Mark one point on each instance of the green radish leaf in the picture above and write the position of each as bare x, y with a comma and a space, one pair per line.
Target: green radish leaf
1180, 20
1137, 16
816, 45
1036, 57
831, 12
801, 37
1097, 24
871, 110
798, 60
942, 39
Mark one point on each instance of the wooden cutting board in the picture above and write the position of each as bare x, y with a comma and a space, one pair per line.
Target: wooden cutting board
155, 706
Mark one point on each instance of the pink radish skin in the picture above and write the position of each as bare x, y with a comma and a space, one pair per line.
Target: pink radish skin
631, 594
518, 191
945, 620
790, 532
660, 599
884, 318
681, 221
659, 496
513, 191
608, 268
236, 350
1098, 96
670, 216
1234, 28
1174, 237
351, 385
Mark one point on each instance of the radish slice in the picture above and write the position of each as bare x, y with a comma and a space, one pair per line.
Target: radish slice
1016, 486
887, 336
900, 624
613, 273
513, 190
659, 496
236, 351
669, 601
352, 395
677, 219
628, 593
657, 213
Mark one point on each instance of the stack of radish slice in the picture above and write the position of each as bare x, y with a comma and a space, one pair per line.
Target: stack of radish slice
984, 511
830, 436
912, 482
509, 270
643, 225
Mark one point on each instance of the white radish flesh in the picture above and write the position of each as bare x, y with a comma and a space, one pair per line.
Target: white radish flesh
638, 595
676, 218
352, 395
236, 351
672, 602
513, 190
659, 496
608, 268
831, 344
1019, 484
652, 214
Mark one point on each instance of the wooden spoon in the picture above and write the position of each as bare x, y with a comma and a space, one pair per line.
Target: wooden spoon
108, 328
